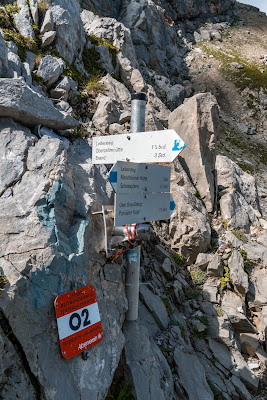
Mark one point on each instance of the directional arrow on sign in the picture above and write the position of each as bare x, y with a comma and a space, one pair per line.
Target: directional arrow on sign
158, 146
126, 177
142, 207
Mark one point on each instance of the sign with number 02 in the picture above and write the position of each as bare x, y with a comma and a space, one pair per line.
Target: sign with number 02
78, 321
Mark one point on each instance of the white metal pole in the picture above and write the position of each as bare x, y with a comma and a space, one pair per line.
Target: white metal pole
138, 111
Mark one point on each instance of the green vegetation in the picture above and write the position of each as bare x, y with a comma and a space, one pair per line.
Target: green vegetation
165, 350
178, 259
226, 278
200, 334
192, 292
24, 44
199, 277
240, 235
3, 282
125, 394
247, 262
167, 305
246, 167
181, 326
219, 311
96, 41
203, 319
213, 241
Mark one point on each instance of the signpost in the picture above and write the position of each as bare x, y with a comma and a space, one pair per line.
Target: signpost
158, 146
135, 178
78, 321
142, 190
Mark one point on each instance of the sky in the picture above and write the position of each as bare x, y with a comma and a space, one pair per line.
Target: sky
261, 4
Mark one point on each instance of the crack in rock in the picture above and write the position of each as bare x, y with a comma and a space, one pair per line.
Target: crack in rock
8, 332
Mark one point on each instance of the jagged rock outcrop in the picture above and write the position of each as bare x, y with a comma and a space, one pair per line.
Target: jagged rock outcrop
53, 217
196, 121
29, 107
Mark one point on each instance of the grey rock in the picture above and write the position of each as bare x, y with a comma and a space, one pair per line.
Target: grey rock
221, 353
14, 65
238, 276
239, 213
205, 33
22, 19
262, 356
203, 260
234, 308
48, 22
26, 73
199, 156
257, 287
230, 237
62, 89
161, 253
230, 175
50, 68
262, 239
249, 343
191, 375
105, 58
14, 378
15, 141
115, 129
51, 224
148, 321
211, 290
198, 38
240, 388
155, 305
241, 370
167, 268
70, 38
117, 92
30, 59
236, 65
3, 54
189, 229
12, 47
30, 108
34, 11
125, 117
256, 252
175, 96
215, 35
48, 38
150, 374
242, 128
215, 266
106, 114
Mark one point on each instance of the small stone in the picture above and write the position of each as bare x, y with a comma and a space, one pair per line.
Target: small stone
254, 366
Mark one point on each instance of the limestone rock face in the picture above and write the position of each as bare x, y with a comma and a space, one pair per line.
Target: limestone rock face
159, 52
196, 122
70, 37
23, 20
3, 54
16, 141
236, 210
150, 381
229, 175
237, 273
49, 246
29, 107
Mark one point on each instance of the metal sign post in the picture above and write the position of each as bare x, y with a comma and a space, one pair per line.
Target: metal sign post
148, 147
138, 112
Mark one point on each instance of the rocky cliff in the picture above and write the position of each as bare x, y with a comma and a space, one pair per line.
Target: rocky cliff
67, 73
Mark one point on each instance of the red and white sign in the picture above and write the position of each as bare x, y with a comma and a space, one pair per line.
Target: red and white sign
78, 321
